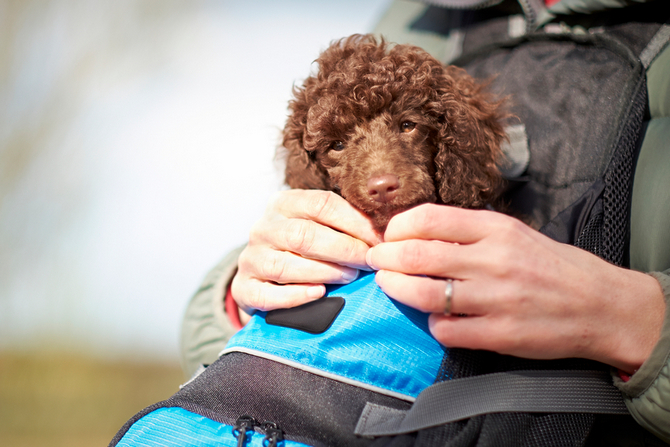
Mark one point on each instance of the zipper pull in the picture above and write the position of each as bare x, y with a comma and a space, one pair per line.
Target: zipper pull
273, 434
243, 424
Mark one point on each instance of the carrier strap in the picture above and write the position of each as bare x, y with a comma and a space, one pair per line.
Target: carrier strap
655, 45
518, 391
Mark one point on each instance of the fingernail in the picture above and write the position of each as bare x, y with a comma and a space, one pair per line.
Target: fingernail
315, 292
349, 275
368, 259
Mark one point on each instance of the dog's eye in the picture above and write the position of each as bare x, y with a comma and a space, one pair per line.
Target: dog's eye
337, 145
407, 126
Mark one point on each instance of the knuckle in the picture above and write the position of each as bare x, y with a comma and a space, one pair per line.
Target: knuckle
249, 260
243, 260
300, 236
246, 292
257, 233
503, 266
256, 298
319, 204
237, 286
272, 267
352, 250
356, 250
508, 228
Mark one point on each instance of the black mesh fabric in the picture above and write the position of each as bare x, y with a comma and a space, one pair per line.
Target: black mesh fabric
607, 231
619, 182
591, 237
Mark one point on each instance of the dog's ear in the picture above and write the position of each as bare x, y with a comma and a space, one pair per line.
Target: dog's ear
302, 170
468, 141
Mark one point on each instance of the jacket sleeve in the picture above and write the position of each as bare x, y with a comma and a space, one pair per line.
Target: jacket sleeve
205, 328
647, 393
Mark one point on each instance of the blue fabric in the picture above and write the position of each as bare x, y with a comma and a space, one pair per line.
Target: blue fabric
375, 341
176, 427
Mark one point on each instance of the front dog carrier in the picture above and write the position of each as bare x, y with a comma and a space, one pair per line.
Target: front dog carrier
357, 368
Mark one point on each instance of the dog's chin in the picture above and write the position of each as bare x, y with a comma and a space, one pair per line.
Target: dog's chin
380, 222
381, 216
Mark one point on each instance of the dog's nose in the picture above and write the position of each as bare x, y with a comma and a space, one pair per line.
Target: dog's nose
383, 188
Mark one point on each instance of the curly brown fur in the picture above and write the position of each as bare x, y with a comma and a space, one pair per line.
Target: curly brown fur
390, 127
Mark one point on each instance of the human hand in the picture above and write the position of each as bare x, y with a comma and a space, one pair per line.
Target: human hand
524, 294
306, 238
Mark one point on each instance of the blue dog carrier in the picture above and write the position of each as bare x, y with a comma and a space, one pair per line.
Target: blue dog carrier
339, 371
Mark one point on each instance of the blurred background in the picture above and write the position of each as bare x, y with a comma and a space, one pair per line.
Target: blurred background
136, 148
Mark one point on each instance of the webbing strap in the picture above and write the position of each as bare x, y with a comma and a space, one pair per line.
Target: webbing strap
518, 391
655, 45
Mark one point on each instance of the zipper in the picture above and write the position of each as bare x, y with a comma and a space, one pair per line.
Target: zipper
245, 426
273, 434
531, 11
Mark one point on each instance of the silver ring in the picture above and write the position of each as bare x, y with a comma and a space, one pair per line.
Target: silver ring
448, 294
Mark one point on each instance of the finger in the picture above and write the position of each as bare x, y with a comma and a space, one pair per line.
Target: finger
420, 257
312, 240
471, 332
252, 294
505, 336
283, 267
428, 294
447, 223
326, 208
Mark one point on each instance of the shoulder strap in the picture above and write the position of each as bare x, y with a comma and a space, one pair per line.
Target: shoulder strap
655, 46
520, 391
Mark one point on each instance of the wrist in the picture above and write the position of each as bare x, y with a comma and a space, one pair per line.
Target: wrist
652, 369
639, 313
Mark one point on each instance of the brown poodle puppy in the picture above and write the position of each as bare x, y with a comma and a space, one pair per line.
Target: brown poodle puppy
390, 127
